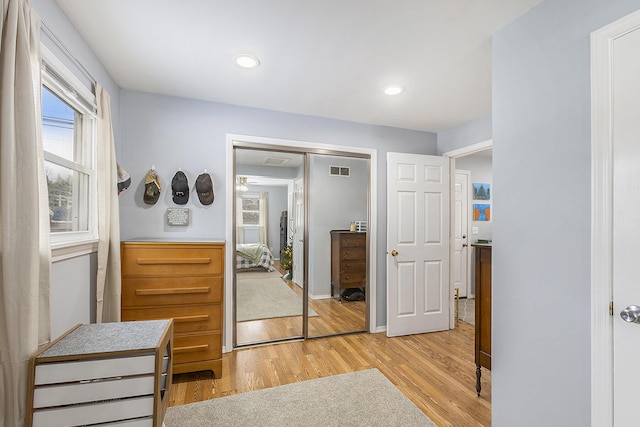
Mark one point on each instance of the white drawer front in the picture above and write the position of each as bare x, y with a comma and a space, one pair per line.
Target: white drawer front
96, 413
69, 394
53, 373
143, 422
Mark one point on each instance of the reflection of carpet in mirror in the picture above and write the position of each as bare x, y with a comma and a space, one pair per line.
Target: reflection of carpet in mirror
262, 295
467, 310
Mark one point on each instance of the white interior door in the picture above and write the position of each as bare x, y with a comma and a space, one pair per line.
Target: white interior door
418, 209
460, 233
626, 227
298, 232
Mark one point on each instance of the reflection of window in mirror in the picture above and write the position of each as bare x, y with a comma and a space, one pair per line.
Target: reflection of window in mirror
252, 218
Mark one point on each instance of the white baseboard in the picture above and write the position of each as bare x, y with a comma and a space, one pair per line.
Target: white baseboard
314, 297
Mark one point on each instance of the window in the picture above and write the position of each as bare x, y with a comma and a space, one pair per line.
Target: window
68, 141
251, 220
250, 210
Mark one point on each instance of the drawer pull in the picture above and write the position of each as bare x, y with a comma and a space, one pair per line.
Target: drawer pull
161, 261
172, 291
191, 348
200, 318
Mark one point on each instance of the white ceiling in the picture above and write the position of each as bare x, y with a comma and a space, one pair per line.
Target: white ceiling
328, 58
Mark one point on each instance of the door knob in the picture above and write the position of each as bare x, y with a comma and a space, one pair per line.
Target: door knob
464, 245
631, 314
394, 253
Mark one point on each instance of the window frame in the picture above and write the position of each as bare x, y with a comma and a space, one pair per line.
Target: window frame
58, 79
255, 196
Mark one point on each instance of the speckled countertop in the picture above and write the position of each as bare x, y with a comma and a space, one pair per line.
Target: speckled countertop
109, 337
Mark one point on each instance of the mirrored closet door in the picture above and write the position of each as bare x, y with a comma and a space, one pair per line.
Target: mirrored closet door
291, 210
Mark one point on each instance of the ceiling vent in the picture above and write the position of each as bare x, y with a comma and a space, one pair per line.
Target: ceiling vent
276, 161
339, 171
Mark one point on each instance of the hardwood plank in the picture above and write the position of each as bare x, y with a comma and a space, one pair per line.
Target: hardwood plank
435, 371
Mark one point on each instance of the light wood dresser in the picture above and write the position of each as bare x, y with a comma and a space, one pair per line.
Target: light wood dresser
182, 281
348, 260
106, 373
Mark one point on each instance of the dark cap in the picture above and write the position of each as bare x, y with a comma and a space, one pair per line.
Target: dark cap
152, 187
124, 179
180, 188
204, 188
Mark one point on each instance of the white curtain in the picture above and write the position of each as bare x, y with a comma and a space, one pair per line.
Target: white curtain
25, 260
109, 285
264, 217
239, 228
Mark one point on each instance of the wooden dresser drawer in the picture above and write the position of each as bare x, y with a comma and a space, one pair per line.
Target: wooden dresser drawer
353, 253
192, 348
142, 292
357, 278
171, 260
186, 319
358, 239
353, 266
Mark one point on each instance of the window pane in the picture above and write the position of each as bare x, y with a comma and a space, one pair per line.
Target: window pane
250, 204
60, 122
68, 196
250, 218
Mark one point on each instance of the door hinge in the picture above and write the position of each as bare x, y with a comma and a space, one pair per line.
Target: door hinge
611, 308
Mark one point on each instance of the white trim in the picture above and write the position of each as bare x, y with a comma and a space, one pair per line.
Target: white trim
372, 228
67, 251
470, 149
59, 68
602, 399
455, 154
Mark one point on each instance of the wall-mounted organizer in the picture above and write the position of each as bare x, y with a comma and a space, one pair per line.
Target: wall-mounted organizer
105, 373
361, 226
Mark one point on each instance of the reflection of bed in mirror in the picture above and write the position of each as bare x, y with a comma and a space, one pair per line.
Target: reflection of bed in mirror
252, 255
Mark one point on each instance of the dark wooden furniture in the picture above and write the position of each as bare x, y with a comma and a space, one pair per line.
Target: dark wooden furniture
348, 261
182, 281
483, 309
105, 373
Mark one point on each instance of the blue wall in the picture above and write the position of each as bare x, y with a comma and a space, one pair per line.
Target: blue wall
541, 234
171, 133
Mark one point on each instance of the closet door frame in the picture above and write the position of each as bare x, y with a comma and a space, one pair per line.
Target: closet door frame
303, 147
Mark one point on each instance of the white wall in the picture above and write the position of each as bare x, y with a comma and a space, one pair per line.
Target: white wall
481, 170
469, 133
541, 233
335, 201
171, 132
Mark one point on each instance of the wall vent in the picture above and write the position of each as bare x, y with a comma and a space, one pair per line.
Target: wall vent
339, 171
276, 161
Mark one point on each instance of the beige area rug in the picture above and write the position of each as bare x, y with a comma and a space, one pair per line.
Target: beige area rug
467, 310
363, 398
262, 295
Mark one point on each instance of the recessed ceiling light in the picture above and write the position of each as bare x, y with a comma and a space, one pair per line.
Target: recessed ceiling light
393, 90
247, 61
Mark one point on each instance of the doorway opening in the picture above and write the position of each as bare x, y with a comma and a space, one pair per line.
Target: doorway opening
473, 166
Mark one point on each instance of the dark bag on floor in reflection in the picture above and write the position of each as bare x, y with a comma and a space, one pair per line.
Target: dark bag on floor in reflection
353, 294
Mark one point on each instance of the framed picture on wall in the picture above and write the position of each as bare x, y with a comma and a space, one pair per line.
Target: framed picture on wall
481, 212
481, 191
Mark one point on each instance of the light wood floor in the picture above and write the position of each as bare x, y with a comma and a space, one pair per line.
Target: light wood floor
333, 318
436, 371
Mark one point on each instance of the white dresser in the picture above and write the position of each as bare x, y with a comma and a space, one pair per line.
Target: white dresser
108, 373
